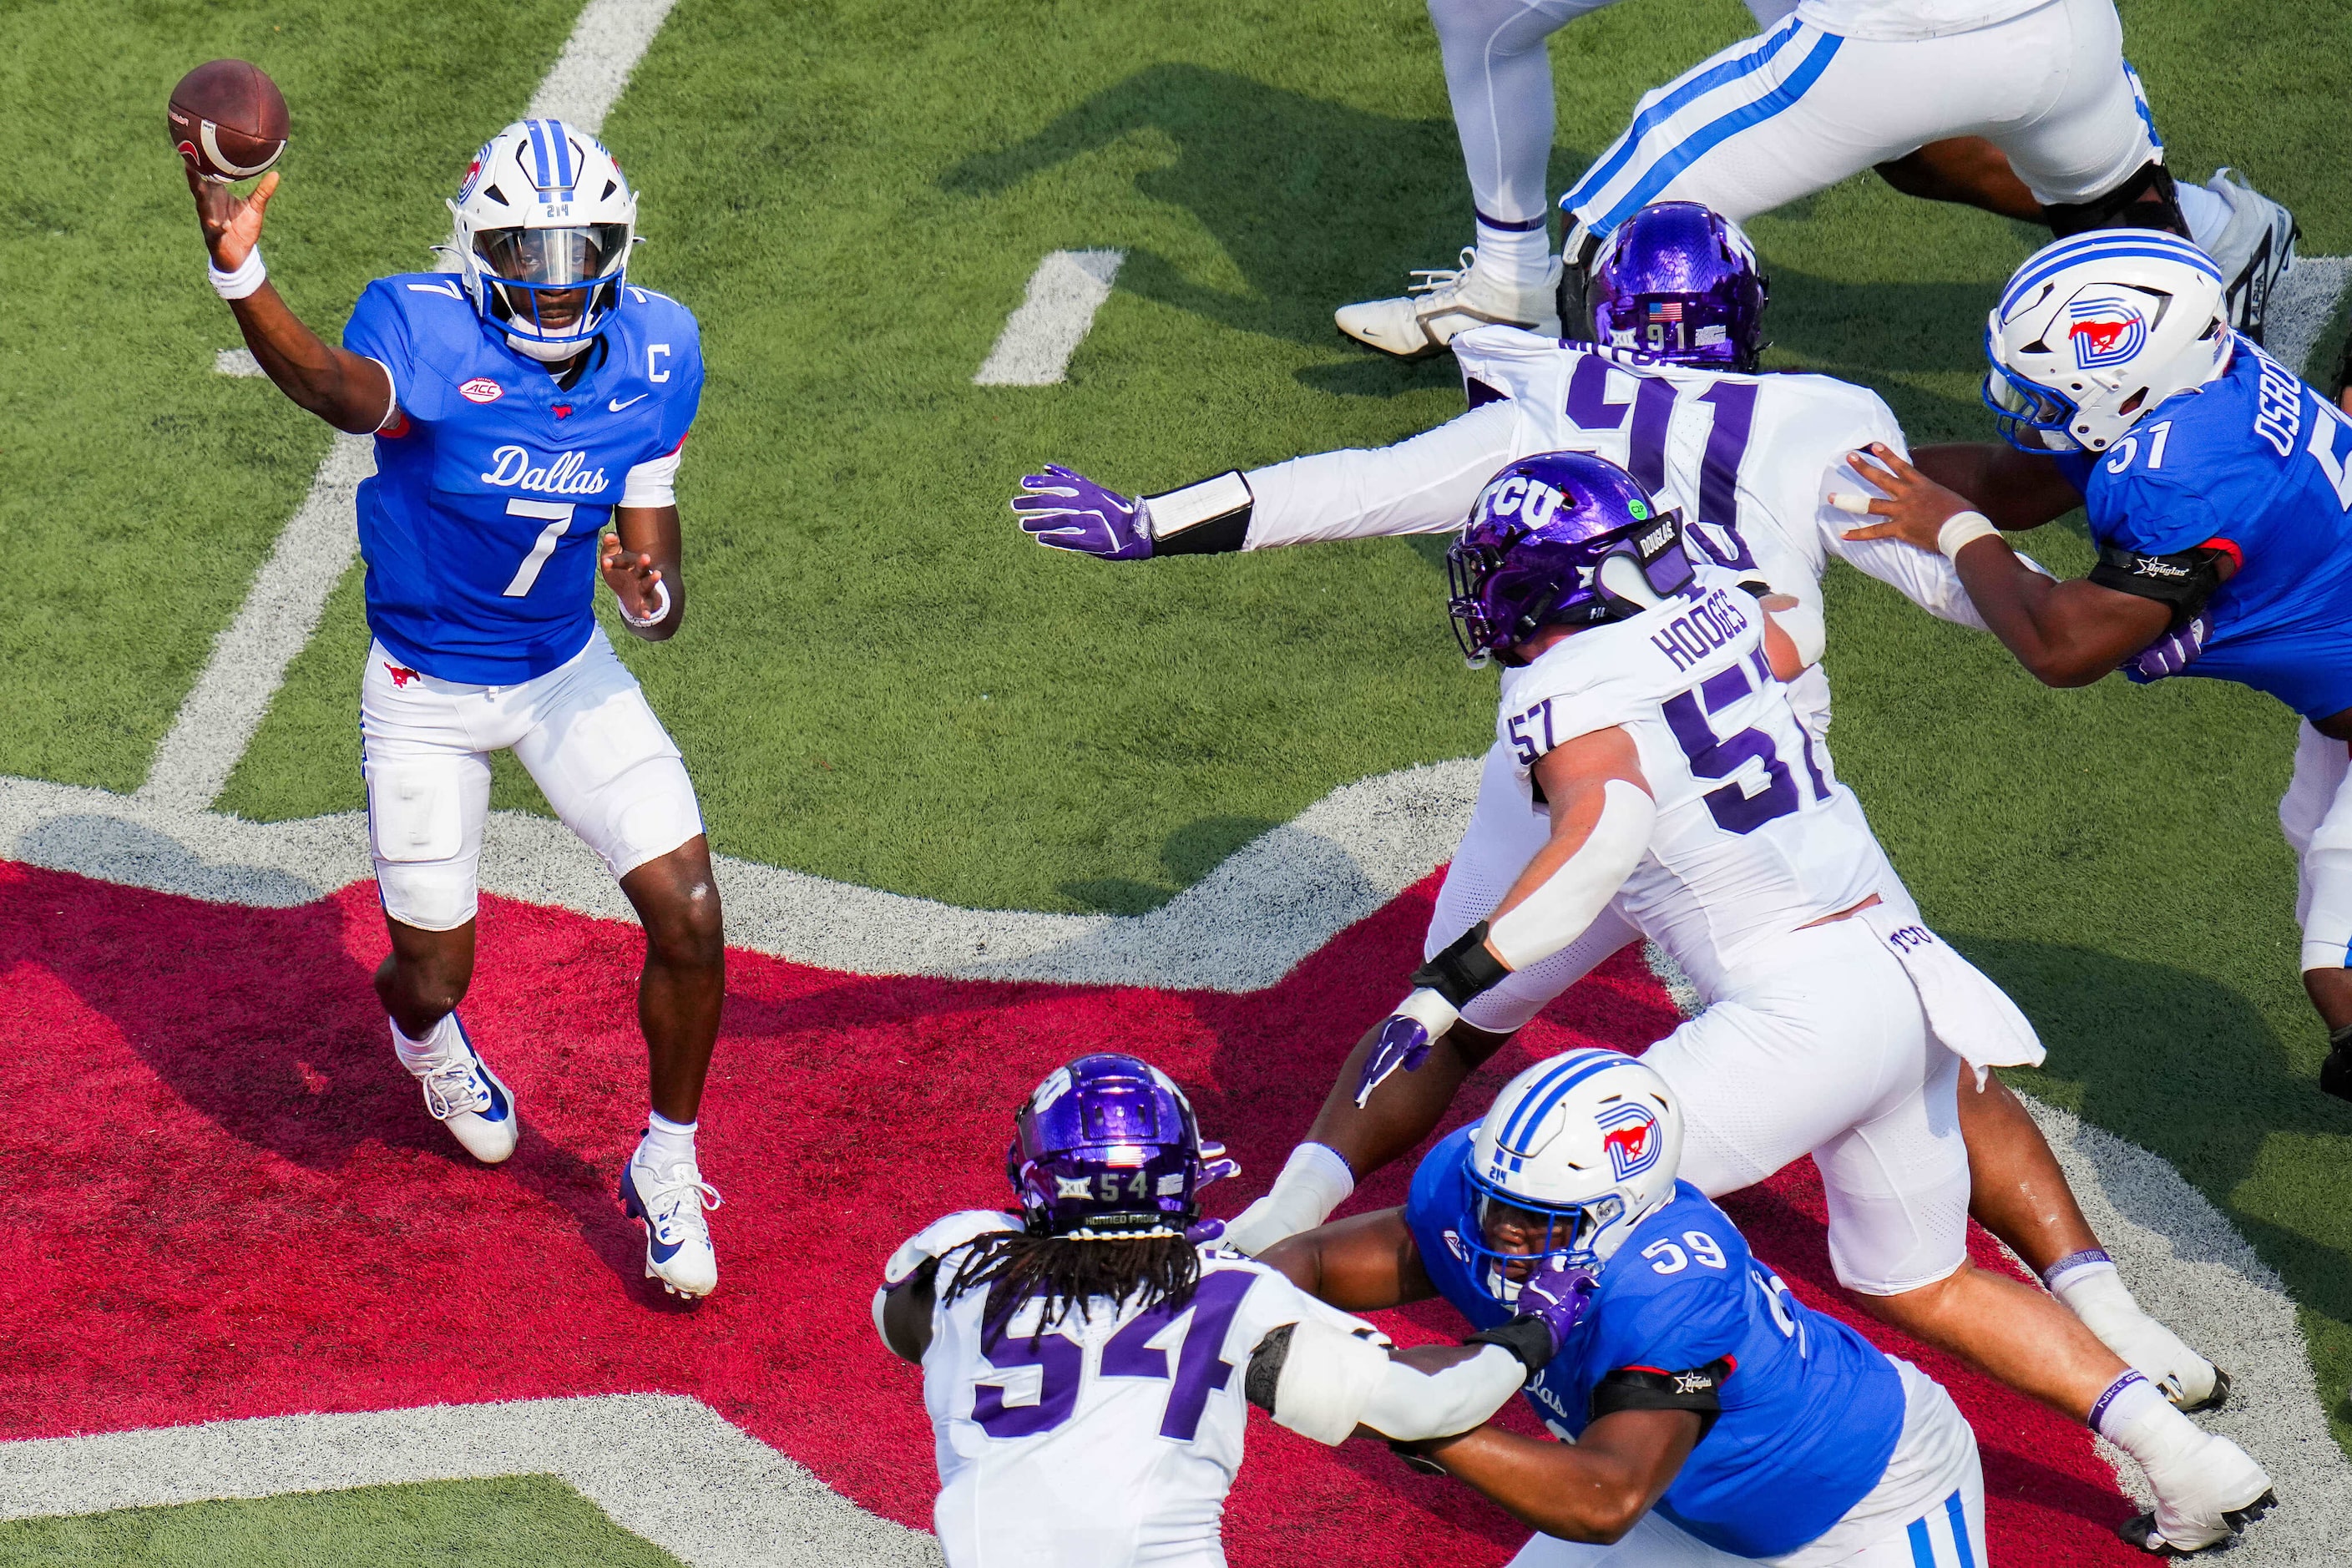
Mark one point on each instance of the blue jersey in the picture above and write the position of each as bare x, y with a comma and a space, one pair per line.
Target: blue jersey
480, 527
1810, 1410
2253, 463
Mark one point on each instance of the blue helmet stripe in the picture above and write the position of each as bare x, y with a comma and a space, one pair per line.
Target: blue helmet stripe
541, 174
2105, 247
562, 145
1550, 1089
1757, 56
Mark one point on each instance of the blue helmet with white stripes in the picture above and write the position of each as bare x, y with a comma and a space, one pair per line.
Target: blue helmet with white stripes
544, 223
2094, 332
1575, 1153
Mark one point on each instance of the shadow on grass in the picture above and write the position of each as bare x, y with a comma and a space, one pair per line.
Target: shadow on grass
1190, 852
2181, 1065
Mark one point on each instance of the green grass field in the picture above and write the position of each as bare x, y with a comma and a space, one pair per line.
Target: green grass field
886, 684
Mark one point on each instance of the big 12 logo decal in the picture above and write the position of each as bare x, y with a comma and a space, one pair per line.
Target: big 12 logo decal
1630, 1134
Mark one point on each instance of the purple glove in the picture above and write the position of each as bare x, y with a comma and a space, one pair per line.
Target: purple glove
1070, 512
2169, 654
1215, 1164
1201, 1232
1404, 1043
1557, 1295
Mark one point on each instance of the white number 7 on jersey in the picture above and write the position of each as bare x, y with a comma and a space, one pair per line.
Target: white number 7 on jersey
558, 516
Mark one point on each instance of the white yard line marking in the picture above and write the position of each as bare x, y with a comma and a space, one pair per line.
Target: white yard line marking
224, 709
1065, 292
250, 656
237, 362
1242, 927
2301, 307
664, 1466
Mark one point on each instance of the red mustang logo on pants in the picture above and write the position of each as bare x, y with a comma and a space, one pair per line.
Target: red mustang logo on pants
400, 677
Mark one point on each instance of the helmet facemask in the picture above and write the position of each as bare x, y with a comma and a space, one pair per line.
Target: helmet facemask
1561, 1232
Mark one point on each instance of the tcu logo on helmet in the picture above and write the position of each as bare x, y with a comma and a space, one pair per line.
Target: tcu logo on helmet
2104, 330
1532, 500
1630, 1134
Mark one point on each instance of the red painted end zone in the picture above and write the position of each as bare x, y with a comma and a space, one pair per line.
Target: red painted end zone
232, 1203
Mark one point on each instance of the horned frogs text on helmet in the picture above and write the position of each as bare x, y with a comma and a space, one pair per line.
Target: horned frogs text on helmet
545, 220
1589, 1143
2093, 331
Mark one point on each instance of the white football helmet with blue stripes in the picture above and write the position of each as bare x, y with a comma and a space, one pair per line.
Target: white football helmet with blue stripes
2095, 331
544, 223
1586, 1143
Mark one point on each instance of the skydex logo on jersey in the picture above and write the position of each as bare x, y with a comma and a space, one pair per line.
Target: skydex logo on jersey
568, 475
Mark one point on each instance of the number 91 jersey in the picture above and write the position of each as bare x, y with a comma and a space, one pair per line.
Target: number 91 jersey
1754, 837
493, 483
1104, 1441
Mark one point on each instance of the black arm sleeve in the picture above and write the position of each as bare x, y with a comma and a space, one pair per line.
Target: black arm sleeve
2182, 582
1264, 1374
1640, 1388
1465, 970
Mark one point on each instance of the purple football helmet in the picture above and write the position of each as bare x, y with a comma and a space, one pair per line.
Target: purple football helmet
1559, 539
1679, 281
1107, 1149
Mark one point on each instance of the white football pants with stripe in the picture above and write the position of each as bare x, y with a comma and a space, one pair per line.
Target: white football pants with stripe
1926, 1512
1797, 110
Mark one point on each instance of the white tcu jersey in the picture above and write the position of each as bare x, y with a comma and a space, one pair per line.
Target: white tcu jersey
1107, 1440
1753, 838
1749, 460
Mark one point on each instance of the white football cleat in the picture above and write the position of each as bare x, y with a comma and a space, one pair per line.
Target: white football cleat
678, 1238
2202, 1500
2160, 1355
2253, 252
1426, 316
464, 1095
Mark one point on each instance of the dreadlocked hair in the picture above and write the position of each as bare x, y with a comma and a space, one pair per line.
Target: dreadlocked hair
1014, 1265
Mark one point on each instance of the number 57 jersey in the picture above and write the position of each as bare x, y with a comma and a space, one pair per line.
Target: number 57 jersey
493, 483
1754, 836
1101, 1441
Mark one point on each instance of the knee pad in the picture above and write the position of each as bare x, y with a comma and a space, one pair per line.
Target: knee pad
2328, 902
2145, 199
434, 895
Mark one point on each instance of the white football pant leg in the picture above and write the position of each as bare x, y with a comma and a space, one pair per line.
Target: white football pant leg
1928, 1507
1652, 1542
1818, 1044
1502, 838
2316, 817
1498, 74
604, 762
423, 754
1797, 110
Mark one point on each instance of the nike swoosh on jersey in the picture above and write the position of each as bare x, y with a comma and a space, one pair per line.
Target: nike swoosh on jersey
615, 404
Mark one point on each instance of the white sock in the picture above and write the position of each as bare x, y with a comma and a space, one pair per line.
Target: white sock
1315, 1179
2134, 1415
666, 1143
2087, 1282
439, 1041
2207, 213
1520, 257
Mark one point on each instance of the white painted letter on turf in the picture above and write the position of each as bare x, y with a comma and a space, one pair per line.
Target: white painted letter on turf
1065, 292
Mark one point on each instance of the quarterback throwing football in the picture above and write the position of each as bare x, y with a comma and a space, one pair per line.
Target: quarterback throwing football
519, 405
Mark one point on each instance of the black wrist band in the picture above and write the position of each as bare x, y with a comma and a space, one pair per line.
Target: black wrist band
1464, 971
1530, 1339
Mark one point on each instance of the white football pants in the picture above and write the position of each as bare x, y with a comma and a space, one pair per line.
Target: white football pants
583, 730
1812, 1043
1926, 1512
1797, 110
2316, 816
1498, 74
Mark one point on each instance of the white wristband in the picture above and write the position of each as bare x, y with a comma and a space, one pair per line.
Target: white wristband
242, 282
661, 607
1963, 529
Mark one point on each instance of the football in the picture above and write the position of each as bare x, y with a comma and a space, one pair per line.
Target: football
228, 119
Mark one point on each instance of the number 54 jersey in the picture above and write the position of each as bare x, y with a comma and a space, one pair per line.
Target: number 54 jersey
493, 484
1754, 836
1101, 1441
